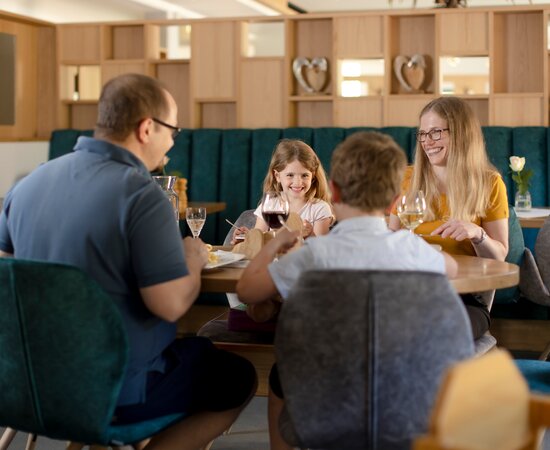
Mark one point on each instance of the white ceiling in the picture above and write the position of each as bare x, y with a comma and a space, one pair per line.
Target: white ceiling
60, 11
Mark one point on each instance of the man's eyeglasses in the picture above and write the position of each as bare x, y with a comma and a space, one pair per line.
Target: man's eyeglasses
175, 130
434, 135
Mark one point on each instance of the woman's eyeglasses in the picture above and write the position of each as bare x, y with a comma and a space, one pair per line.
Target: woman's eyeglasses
175, 130
434, 135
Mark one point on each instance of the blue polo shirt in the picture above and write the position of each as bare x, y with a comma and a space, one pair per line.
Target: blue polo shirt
99, 209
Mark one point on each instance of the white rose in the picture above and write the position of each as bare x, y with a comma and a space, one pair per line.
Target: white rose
517, 163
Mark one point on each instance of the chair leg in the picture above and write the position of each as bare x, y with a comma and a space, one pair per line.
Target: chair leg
543, 356
209, 445
7, 437
31, 441
74, 446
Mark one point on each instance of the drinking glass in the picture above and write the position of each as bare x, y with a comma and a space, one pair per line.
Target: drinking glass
274, 204
411, 209
195, 220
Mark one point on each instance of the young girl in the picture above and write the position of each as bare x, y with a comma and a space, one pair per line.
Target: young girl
296, 171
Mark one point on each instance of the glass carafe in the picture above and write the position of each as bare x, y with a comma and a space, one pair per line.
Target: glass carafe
167, 183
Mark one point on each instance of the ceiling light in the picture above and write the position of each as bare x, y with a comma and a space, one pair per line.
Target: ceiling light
170, 7
257, 6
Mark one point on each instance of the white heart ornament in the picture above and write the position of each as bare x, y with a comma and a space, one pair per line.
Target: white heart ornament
410, 71
311, 75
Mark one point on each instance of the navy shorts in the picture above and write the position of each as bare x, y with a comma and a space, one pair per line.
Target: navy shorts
198, 377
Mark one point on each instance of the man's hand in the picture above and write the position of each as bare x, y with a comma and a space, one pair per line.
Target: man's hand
196, 254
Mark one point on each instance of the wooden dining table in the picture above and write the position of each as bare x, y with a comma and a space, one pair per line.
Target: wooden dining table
534, 218
475, 274
211, 207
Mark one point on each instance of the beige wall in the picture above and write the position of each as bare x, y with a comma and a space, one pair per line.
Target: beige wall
17, 159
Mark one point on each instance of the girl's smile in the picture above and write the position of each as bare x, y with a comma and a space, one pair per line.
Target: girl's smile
295, 180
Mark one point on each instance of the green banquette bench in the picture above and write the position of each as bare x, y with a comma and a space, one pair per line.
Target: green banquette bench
229, 165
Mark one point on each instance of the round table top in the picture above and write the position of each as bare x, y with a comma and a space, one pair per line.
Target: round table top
474, 275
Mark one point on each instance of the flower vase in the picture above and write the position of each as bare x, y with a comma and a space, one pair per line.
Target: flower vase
523, 201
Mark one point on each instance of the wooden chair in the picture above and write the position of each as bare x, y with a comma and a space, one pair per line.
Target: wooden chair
485, 404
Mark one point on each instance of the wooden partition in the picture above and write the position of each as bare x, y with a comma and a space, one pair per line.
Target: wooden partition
227, 79
36, 97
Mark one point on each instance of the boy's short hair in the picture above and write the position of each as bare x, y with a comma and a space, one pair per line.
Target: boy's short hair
368, 168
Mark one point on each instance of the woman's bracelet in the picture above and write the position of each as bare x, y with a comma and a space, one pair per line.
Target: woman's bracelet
481, 238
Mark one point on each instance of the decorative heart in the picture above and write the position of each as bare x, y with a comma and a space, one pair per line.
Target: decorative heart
311, 75
410, 72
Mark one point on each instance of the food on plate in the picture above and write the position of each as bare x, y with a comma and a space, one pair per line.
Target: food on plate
212, 257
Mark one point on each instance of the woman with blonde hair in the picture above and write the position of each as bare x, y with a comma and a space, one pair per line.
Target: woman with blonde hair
466, 200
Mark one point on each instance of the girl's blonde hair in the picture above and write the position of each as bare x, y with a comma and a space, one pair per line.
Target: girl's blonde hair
290, 150
470, 175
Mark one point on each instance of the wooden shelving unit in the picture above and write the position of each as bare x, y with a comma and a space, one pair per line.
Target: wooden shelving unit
225, 81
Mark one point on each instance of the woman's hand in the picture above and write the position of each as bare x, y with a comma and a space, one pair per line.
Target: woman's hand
458, 230
240, 231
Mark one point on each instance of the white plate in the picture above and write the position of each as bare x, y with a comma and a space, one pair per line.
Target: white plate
224, 258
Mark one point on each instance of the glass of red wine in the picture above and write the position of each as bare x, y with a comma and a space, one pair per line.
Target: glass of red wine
275, 204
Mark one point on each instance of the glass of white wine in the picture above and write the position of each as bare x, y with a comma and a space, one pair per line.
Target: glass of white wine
411, 209
195, 220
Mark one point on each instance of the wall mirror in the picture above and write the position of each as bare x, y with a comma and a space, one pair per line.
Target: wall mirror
7, 79
175, 42
360, 77
460, 75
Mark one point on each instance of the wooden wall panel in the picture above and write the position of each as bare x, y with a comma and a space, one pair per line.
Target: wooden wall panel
213, 60
359, 37
261, 93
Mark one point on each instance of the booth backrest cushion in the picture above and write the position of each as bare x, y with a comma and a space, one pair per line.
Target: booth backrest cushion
230, 165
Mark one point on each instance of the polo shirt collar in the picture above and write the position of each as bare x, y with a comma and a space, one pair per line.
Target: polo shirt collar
110, 151
362, 223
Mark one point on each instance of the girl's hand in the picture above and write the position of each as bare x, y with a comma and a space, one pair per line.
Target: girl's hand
457, 230
241, 231
307, 229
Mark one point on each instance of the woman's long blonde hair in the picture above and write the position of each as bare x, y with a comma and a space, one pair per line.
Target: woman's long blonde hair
469, 173
290, 150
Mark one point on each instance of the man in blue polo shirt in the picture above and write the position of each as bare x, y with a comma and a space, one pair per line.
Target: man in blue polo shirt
99, 209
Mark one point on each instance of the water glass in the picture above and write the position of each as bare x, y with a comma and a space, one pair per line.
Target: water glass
195, 219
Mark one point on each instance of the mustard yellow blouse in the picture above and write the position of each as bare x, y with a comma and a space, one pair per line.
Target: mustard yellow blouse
498, 209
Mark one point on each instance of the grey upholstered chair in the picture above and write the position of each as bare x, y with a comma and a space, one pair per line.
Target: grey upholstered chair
361, 355
535, 270
516, 248
246, 219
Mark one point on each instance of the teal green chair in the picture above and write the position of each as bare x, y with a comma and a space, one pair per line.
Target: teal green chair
64, 354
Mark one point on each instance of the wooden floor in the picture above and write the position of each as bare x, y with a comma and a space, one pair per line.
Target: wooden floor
526, 335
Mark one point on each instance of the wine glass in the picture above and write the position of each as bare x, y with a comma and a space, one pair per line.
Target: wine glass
275, 204
195, 219
411, 209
